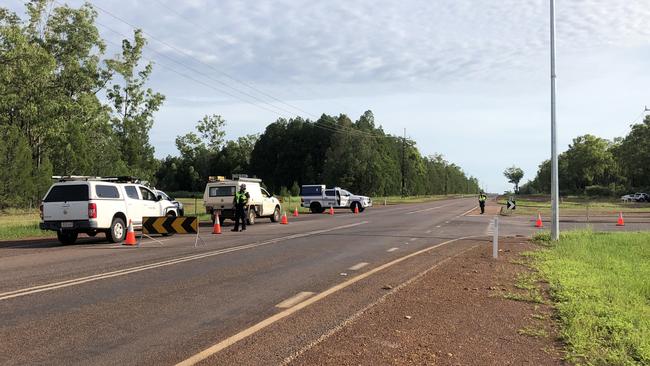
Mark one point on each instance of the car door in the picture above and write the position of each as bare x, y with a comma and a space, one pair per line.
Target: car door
267, 203
134, 206
150, 205
345, 198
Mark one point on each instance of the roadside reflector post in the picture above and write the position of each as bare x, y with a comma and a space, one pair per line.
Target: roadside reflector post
495, 239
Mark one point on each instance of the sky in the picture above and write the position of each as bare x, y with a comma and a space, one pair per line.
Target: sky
467, 79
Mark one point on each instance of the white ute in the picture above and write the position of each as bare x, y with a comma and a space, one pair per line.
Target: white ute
317, 198
220, 193
80, 204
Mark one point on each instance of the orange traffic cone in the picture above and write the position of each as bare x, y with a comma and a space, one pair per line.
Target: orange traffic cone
295, 212
331, 210
356, 209
539, 222
284, 220
216, 229
130, 236
620, 221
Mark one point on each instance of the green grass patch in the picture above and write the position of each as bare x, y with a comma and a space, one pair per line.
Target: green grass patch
600, 283
17, 224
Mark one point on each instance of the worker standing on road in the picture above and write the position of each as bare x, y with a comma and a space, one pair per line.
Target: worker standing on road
481, 201
240, 201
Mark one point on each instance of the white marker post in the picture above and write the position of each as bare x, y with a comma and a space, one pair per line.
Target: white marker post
495, 239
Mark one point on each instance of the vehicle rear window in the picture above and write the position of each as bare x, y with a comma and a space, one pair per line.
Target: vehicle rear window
68, 193
132, 192
311, 191
329, 193
104, 191
222, 191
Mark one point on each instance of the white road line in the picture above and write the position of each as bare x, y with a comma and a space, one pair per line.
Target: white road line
392, 249
446, 222
428, 232
472, 209
212, 350
293, 300
439, 226
413, 239
122, 272
358, 266
429, 209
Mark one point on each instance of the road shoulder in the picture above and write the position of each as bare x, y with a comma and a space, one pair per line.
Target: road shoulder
469, 310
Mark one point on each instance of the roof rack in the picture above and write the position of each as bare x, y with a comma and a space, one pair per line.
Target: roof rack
116, 179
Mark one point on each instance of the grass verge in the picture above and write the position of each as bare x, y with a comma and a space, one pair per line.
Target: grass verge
600, 283
18, 224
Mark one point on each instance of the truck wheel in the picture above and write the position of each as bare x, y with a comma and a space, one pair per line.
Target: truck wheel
67, 237
117, 231
251, 217
361, 209
315, 207
353, 205
276, 215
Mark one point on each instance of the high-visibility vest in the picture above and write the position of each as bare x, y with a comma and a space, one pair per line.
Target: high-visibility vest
241, 197
482, 198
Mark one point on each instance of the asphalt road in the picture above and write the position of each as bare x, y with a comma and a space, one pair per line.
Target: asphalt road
243, 294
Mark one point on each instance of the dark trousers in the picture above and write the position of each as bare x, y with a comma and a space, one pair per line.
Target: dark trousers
240, 214
482, 204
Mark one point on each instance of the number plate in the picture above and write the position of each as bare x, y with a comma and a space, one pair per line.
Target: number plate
67, 224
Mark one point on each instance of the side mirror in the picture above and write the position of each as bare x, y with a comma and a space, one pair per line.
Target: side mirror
159, 198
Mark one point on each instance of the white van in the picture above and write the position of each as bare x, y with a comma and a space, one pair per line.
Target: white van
219, 195
80, 204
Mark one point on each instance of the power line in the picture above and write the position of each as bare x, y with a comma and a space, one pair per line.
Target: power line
203, 63
202, 74
229, 76
333, 129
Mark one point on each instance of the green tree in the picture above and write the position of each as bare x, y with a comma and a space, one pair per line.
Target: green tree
133, 107
514, 175
633, 155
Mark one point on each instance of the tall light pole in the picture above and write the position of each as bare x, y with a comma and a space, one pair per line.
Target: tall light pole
555, 207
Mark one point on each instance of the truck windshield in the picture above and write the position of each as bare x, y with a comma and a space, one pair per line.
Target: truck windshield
311, 191
222, 191
68, 193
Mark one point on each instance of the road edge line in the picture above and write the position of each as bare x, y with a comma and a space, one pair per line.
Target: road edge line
216, 348
352, 318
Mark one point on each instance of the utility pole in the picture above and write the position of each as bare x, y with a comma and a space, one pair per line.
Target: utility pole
403, 161
555, 194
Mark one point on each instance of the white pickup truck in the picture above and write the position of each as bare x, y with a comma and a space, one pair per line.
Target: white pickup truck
317, 198
220, 193
91, 205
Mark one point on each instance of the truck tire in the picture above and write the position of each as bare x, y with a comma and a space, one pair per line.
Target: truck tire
276, 214
117, 232
250, 217
315, 207
353, 205
67, 237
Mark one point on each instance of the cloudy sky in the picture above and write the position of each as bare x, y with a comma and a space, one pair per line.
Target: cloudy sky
466, 78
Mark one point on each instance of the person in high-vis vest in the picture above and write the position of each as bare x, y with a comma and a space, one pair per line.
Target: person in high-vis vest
240, 202
481, 201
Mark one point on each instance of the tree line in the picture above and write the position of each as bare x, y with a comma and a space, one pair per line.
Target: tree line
67, 108
333, 150
599, 167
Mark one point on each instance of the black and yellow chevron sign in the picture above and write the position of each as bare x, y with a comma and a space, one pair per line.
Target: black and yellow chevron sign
170, 225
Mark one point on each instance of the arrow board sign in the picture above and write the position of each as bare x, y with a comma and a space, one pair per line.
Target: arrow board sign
511, 205
169, 225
